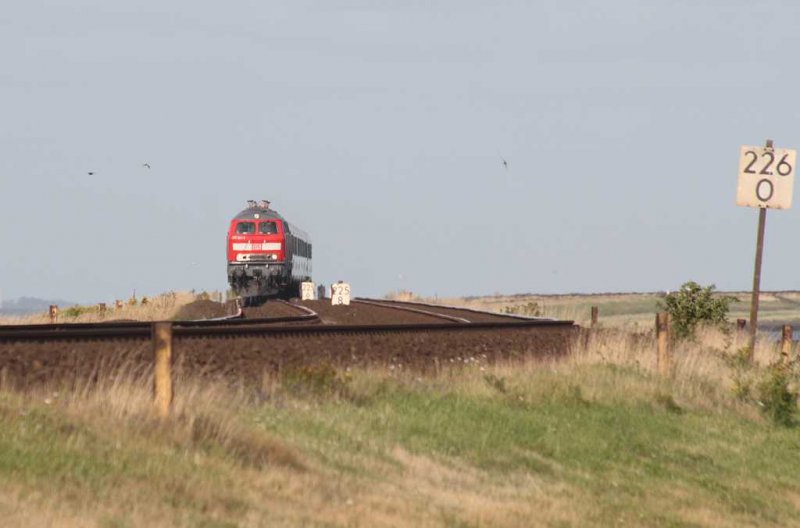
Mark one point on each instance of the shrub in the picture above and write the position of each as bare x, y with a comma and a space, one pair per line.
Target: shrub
743, 373
76, 311
775, 396
694, 305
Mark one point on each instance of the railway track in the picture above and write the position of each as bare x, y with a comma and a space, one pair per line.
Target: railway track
241, 350
451, 318
255, 315
143, 329
242, 326
253, 328
469, 315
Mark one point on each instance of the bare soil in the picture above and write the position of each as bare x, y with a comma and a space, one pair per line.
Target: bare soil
271, 309
197, 310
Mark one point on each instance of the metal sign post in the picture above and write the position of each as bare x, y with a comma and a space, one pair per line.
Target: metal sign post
762, 221
766, 180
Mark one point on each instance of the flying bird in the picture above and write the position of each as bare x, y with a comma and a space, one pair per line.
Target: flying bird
146, 165
90, 173
505, 163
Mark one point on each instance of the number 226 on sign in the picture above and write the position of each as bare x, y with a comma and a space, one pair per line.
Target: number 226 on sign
766, 177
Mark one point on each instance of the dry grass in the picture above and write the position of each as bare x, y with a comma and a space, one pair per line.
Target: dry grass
159, 308
701, 369
200, 416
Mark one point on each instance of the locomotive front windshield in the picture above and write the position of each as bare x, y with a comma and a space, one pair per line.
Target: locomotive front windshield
268, 228
245, 228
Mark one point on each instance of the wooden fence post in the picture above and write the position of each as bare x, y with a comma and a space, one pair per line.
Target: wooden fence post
595, 314
664, 344
162, 368
786, 343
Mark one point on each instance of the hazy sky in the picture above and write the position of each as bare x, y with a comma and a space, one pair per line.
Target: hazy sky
378, 127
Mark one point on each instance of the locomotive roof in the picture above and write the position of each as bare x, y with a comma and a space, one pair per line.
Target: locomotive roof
262, 212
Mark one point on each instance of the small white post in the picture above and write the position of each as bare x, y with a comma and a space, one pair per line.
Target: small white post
307, 291
340, 294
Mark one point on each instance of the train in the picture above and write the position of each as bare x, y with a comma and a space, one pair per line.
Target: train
267, 255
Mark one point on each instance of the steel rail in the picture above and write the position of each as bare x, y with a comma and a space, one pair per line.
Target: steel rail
308, 315
255, 330
237, 315
379, 304
123, 326
473, 310
302, 308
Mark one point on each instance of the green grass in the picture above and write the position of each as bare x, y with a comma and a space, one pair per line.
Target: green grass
560, 445
618, 454
42, 451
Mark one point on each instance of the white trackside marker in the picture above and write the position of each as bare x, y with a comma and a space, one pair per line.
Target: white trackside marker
340, 294
766, 177
307, 291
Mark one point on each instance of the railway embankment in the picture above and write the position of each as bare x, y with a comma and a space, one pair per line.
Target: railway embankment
260, 342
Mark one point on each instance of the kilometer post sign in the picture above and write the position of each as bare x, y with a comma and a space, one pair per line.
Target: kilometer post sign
766, 177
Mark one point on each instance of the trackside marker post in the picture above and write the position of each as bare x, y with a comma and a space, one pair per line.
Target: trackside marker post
786, 343
307, 291
664, 345
340, 294
162, 368
766, 180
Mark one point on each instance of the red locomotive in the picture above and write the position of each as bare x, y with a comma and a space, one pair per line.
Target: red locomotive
267, 256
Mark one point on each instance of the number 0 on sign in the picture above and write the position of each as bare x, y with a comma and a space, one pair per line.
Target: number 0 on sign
766, 177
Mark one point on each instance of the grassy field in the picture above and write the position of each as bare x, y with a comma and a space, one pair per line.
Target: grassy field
594, 440
623, 310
